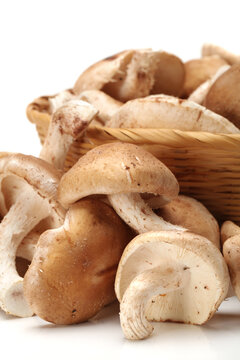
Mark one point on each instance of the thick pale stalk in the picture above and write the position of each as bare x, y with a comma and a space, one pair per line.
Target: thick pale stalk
68, 123
27, 247
56, 147
137, 214
160, 280
106, 105
22, 217
60, 99
211, 49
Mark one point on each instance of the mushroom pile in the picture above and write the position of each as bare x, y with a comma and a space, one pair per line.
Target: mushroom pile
115, 225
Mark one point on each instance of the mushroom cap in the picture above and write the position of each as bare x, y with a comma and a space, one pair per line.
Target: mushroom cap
116, 168
72, 273
230, 238
209, 279
148, 72
224, 95
137, 79
198, 71
231, 251
168, 112
228, 230
18, 171
169, 75
200, 93
103, 72
36, 172
192, 215
134, 73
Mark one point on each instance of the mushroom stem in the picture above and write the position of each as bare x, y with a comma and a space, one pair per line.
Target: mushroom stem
163, 279
60, 99
211, 49
26, 213
137, 214
106, 105
27, 247
68, 123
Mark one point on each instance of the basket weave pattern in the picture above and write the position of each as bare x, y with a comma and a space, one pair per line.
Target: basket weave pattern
206, 165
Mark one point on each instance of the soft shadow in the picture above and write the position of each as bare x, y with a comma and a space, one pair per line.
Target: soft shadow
226, 321
107, 313
4, 316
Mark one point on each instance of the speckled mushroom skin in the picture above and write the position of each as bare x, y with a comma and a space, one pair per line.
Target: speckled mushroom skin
39, 174
192, 215
72, 273
116, 168
224, 95
230, 238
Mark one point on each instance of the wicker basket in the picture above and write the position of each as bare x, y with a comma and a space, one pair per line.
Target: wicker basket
206, 165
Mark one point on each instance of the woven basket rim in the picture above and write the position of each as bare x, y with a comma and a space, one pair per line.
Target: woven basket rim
166, 137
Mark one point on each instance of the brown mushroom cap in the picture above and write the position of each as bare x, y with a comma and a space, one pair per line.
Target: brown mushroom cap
37, 173
224, 95
198, 71
200, 93
149, 72
116, 168
231, 251
72, 273
169, 75
228, 230
134, 73
192, 215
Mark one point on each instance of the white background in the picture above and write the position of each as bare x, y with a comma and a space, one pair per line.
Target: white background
44, 46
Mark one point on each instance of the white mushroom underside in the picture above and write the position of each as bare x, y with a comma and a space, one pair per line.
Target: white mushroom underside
164, 279
28, 210
195, 303
137, 214
27, 247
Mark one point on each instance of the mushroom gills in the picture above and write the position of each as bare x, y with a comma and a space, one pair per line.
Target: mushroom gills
16, 224
186, 305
